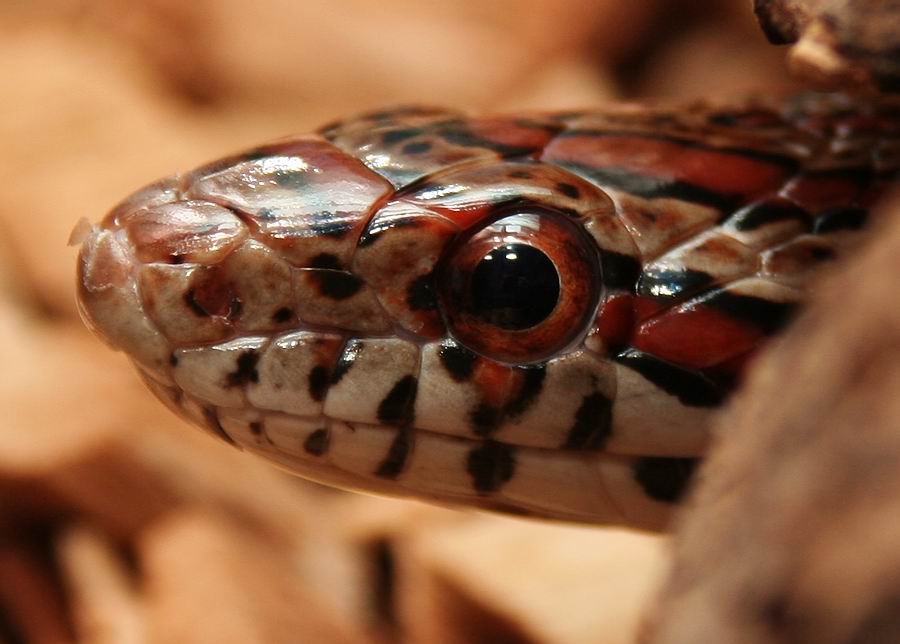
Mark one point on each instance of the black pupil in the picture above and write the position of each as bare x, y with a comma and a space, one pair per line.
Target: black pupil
514, 287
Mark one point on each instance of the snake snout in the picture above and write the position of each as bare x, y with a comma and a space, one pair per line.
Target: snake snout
254, 244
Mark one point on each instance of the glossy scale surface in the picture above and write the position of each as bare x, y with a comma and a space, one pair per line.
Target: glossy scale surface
327, 300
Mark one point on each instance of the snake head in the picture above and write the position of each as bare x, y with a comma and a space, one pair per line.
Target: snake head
530, 314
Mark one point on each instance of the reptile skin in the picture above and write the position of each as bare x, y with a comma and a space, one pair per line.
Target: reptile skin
532, 314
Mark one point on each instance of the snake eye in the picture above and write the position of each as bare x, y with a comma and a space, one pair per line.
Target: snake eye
521, 288
515, 287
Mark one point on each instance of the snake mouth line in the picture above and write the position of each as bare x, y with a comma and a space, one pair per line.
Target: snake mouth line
455, 470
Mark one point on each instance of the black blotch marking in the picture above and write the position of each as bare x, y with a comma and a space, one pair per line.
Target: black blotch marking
348, 357
672, 285
757, 215
752, 118
457, 360
690, 387
392, 465
336, 285
725, 118
234, 309
593, 423
420, 295
212, 421
176, 259
769, 316
888, 83
256, 428
194, 305
510, 205
173, 359
282, 315
651, 187
457, 135
531, 386
317, 442
664, 479
568, 190
397, 407
329, 227
370, 234
416, 147
840, 219
485, 419
325, 260
490, 465
259, 152
317, 382
245, 370
821, 253
859, 174
396, 136
619, 271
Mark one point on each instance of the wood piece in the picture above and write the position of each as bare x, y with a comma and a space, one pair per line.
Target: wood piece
208, 579
31, 600
102, 594
837, 43
491, 578
793, 533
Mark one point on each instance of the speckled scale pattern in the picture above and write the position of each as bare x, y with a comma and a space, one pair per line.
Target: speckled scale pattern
287, 299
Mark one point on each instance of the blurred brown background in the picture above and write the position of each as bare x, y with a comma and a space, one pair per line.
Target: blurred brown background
119, 525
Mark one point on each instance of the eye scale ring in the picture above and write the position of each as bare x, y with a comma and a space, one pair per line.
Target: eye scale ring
515, 287
521, 288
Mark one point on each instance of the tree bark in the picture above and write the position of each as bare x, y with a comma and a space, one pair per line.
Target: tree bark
793, 534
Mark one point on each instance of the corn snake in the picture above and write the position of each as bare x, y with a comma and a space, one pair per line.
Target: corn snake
532, 314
